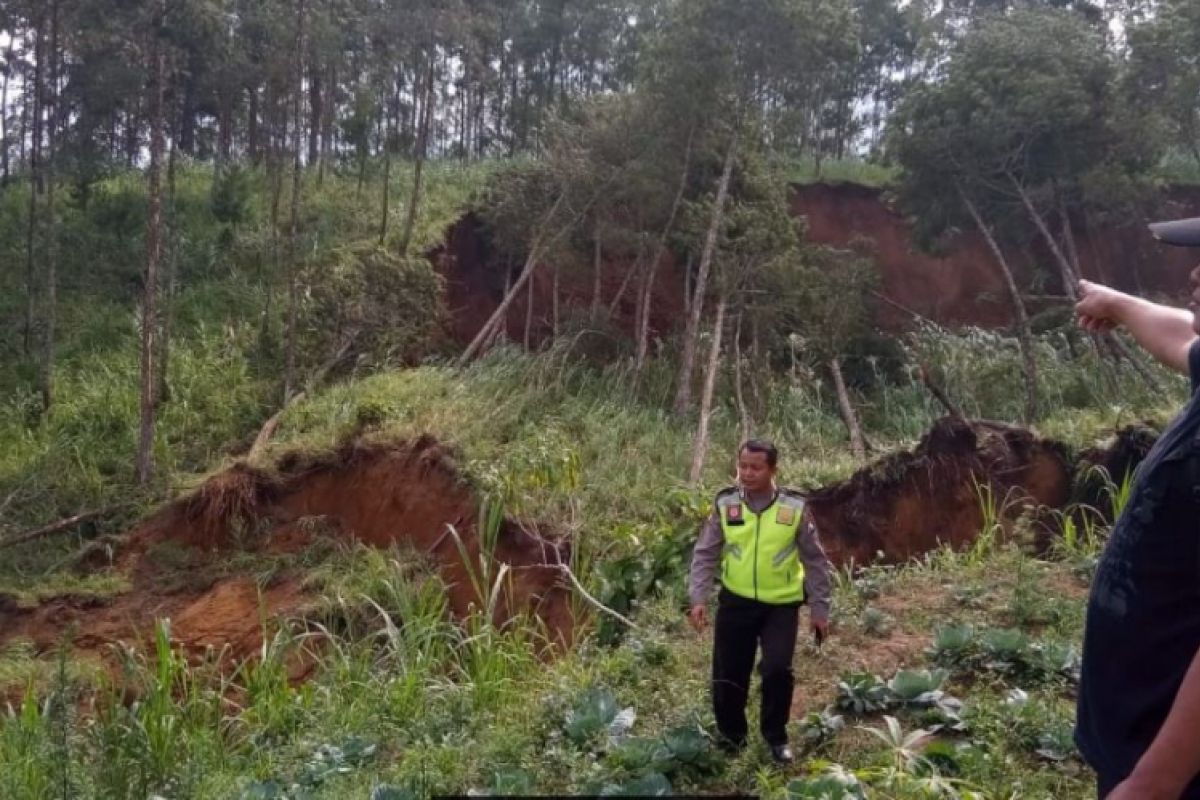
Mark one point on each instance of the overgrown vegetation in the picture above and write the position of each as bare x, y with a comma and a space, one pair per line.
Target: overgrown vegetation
154, 156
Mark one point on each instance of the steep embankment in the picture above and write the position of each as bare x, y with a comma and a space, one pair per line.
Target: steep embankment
197, 560
960, 285
957, 286
476, 283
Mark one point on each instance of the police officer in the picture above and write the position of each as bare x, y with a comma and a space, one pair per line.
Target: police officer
771, 562
1138, 721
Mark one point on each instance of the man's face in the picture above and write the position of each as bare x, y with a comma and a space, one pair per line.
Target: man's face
754, 473
1194, 305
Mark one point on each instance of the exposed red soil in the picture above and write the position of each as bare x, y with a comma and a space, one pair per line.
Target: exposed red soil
475, 285
957, 286
961, 285
377, 494
912, 502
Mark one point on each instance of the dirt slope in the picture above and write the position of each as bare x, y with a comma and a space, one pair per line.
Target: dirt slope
380, 495
192, 562
911, 502
958, 286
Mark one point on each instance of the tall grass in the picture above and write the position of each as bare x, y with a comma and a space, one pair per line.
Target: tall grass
850, 170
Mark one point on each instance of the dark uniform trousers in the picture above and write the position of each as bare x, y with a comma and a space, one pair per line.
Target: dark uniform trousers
742, 626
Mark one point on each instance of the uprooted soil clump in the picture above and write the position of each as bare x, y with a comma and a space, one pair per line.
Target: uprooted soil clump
911, 502
178, 561
1103, 470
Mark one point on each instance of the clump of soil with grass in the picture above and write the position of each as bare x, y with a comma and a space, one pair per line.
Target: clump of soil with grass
195, 561
228, 560
939, 493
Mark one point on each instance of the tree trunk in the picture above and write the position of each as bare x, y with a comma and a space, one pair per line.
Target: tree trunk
687, 285
554, 306
4, 165
857, 444
315, 101
253, 149
362, 172
638, 267
660, 251
275, 172
35, 189
939, 393
145, 452
700, 446
50, 311
24, 132
1024, 334
187, 119
683, 395
1071, 276
132, 145
224, 131
597, 267
1069, 279
1069, 238
418, 169
746, 425
499, 315
289, 343
529, 312
496, 320
641, 308
163, 392
387, 194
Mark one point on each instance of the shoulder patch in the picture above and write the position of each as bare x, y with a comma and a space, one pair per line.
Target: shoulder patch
792, 499
728, 495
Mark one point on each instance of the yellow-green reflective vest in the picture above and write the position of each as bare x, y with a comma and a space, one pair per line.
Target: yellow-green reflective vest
761, 557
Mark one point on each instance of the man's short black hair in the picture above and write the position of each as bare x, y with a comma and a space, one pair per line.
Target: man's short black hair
765, 446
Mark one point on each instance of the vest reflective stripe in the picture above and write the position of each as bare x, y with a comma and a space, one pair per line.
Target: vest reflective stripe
760, 559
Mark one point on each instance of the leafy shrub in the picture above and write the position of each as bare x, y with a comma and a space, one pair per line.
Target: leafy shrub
817, 728
385, 307
592, 715
652, 785
918, 687
835, 784
875, 622
508, 782
952, 645
863, 693
1006, 652
680, 750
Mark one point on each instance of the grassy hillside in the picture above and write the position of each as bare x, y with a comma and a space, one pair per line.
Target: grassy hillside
400, 696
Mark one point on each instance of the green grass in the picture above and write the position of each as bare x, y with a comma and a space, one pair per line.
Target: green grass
851, 170
401, 695
1179, 169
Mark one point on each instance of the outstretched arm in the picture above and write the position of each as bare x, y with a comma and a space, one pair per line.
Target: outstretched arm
1164, 332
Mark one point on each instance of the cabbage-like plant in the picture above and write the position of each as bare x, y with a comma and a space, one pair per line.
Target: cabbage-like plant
863, 693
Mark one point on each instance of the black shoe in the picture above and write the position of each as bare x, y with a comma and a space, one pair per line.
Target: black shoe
731, 747
782, 754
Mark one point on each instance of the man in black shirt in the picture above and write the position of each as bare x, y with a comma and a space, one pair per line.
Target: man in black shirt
1138, 719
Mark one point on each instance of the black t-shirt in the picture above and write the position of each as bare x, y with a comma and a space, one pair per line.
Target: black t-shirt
1143, 617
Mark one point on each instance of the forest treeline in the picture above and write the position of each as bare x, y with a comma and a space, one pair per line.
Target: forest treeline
643, 130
